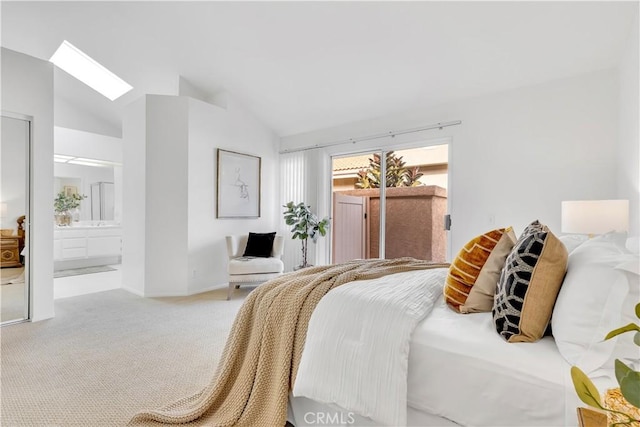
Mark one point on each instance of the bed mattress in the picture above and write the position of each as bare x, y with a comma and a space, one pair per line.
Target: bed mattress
461, 372
460, 369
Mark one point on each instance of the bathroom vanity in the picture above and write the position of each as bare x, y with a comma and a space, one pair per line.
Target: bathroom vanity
86, 246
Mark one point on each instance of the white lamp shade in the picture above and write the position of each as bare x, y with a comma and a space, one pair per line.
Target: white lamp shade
595, 216
3, 210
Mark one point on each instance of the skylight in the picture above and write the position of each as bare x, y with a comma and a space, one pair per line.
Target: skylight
84, 68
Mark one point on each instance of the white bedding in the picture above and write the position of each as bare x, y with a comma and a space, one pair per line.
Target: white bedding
460, 370
364, 328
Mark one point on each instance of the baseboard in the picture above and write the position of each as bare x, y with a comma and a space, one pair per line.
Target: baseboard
133, 291
86, 262
209, 288
176, 294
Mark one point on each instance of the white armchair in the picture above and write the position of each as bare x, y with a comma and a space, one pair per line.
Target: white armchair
252, 270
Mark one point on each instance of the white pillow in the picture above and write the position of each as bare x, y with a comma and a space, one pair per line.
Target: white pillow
590, 302
633, 244
572, 241
625, 349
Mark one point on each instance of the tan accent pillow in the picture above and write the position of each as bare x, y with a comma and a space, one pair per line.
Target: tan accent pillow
469, 267
480, 298
529, 285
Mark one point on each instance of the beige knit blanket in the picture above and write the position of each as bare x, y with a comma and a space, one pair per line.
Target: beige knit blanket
261, 357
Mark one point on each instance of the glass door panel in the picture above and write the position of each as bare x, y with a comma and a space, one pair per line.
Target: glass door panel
416, 203
356, 216
14, 156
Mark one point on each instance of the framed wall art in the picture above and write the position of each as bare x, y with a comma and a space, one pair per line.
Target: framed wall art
70, 190
238, 185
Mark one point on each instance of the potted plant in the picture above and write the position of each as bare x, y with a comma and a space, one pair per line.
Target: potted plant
63, 204
305, 225
623, 403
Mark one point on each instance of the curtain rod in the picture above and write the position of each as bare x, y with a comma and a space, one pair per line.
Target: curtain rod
392, 134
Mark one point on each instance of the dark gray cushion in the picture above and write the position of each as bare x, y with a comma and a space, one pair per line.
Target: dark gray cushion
260, 244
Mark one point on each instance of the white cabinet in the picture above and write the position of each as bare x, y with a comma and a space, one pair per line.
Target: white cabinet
103, 246
87, 245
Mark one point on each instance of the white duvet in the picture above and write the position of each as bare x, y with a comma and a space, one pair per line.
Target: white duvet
340, 354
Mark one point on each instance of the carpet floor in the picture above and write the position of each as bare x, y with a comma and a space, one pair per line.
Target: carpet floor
7, 275
12, 302
108, 355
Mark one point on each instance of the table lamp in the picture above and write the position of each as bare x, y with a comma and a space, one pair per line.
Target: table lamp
595, 216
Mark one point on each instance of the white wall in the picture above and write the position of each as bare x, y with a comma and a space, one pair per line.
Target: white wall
517, 154
173, 244
234, 129
27, 88
166, 196
134, 197
629, 145
78, 143
68, 115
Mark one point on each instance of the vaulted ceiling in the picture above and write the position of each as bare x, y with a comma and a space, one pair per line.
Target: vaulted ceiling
302, 66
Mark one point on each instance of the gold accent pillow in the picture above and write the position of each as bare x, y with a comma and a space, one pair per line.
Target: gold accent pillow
474, 273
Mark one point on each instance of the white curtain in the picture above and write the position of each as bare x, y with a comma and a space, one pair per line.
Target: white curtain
292, 189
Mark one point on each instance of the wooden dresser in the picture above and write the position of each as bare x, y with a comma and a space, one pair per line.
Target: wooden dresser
10, 251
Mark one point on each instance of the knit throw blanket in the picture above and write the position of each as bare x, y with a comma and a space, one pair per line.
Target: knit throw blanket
261, 357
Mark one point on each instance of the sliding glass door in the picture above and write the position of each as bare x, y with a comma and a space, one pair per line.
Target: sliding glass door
403, 193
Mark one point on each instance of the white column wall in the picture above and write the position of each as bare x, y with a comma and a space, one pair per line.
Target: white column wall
166, 190
27, 88
134, 125
155, 255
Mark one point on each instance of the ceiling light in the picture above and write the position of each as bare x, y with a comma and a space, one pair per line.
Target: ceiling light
84, 163
61, 158
96, 162
90, 72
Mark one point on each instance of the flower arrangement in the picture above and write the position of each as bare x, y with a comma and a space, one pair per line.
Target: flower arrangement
64, 203
623, 404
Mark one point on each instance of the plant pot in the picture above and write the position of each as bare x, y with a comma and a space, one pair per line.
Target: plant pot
63, 219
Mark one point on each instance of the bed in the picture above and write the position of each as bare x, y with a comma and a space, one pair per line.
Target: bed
407, 342
484, 369
460, 371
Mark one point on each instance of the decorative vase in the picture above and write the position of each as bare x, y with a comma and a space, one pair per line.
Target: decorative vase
63, 219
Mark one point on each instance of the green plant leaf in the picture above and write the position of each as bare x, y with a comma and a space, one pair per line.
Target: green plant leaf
629, 381
638, 310
621, 370
636, 339
628, 328
587, 392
